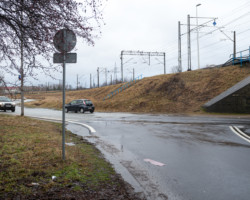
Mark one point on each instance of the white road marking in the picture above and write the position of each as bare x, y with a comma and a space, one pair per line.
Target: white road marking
244, 136
241, 132
153, 162
91, 129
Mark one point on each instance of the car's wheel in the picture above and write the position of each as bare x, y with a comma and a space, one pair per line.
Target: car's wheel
13, 110
4, 110
81, 110
91, 111
76, 111
66, 110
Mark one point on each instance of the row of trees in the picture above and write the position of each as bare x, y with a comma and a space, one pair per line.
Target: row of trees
27, 28
49, 87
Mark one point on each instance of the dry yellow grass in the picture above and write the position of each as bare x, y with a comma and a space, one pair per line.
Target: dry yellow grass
172, 93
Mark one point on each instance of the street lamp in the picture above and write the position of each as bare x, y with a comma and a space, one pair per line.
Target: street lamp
198, 51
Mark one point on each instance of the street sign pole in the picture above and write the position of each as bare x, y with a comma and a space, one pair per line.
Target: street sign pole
64, 41
64, 77
63, 112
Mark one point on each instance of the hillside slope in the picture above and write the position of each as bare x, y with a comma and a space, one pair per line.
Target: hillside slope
184, 92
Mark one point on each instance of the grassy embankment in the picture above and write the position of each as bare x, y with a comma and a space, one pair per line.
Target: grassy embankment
184, 92
30, 154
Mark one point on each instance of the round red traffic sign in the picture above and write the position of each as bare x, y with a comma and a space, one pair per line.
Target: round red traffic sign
64, 40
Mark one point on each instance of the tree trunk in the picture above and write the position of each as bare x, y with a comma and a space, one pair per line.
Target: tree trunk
21, 70
22, 77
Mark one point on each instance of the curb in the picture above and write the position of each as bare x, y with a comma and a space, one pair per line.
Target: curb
91, 129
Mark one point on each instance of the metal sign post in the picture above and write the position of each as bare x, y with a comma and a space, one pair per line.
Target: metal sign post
64, 41
63, 109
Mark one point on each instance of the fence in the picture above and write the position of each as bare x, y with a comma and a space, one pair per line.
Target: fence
241, 57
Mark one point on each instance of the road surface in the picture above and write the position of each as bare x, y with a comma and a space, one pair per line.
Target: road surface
170, 156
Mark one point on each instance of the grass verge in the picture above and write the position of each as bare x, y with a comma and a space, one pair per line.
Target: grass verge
30, 154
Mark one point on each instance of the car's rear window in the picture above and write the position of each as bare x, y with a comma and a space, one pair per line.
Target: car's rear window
88, 102
4, 99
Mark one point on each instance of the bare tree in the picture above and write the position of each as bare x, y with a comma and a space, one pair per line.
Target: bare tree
1, 84
27, 28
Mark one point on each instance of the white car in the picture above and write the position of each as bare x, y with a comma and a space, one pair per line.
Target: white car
7, 104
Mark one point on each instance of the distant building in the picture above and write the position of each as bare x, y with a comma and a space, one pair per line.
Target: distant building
9, 90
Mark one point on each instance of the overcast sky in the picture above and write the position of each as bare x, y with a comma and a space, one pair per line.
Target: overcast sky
151, 25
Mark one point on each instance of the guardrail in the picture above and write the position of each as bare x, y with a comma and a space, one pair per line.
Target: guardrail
122, 88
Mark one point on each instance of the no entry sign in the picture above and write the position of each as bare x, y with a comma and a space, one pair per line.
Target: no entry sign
64, 40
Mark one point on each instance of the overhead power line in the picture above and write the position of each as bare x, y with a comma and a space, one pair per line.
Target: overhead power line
142, 53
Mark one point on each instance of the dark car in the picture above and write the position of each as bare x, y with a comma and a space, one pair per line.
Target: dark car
7, 104
80, 105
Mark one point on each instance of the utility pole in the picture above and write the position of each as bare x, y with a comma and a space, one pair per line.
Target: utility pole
77, 82
189, 38
164, 62
111, 80
133, 73
189, 43
106, 76
179, 45
115, 74
234, 44
121, 66
90, 85
233, 40
197, 31
98, 78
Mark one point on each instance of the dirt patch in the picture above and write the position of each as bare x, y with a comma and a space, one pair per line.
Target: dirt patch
174, 87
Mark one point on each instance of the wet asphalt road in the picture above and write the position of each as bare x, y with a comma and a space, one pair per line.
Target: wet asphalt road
203, 158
